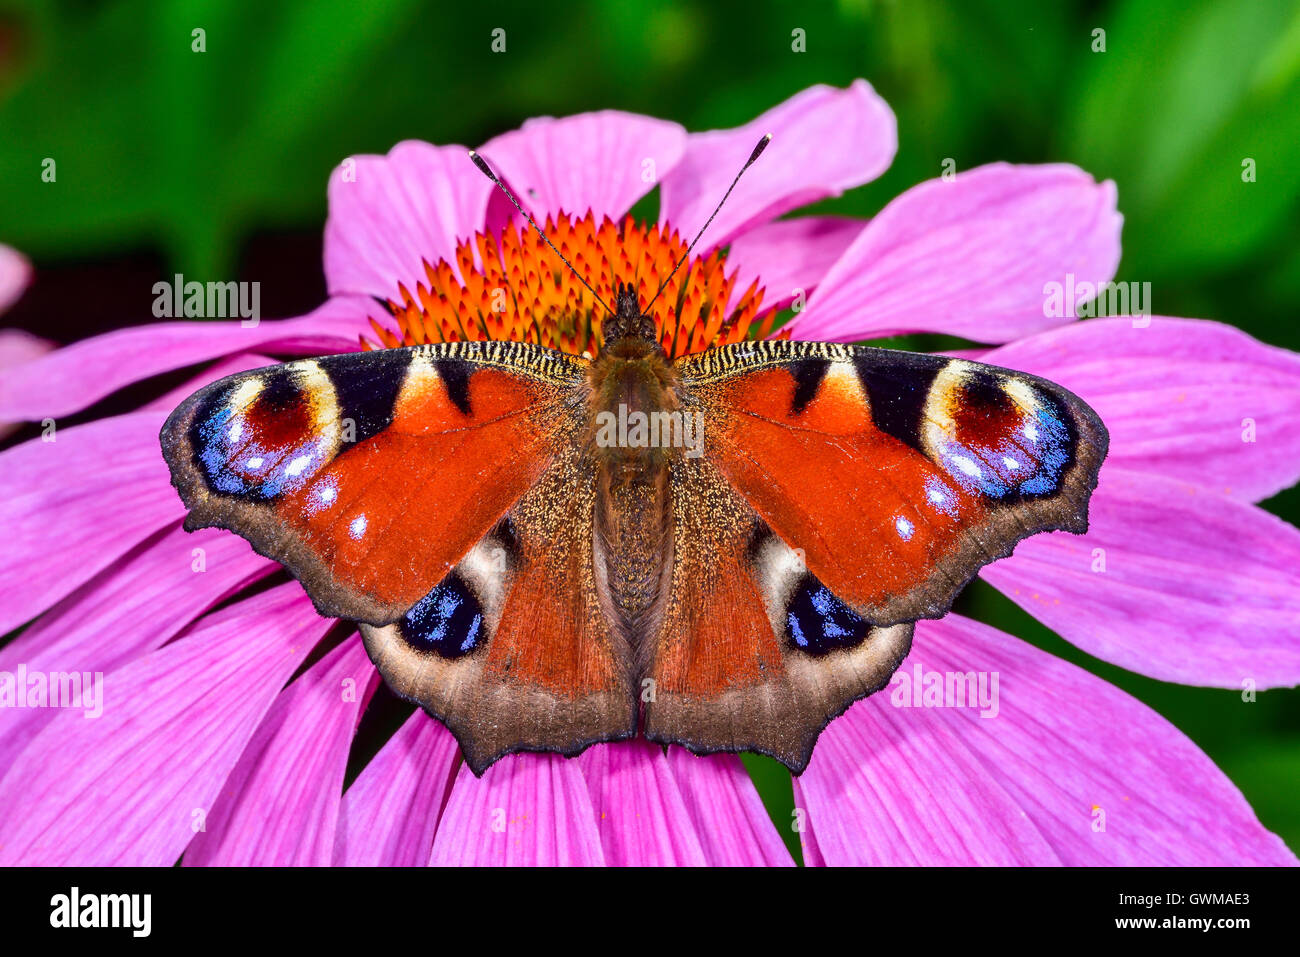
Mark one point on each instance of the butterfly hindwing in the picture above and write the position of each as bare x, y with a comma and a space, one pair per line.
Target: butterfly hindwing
512, 651
754, 652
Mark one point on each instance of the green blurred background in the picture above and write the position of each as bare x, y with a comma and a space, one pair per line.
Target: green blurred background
215, 163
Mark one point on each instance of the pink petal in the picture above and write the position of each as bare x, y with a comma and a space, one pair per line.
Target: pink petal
603, 162
1198, 401
132, 608
970, 257
728, 816
639, 809
279, 805
527, 809
791, 256
972, 355
18, 346
128, 787
824, 141
72, 378
390, 813
884, 788
15, 275
1065, 743
1172, 580
73, 506
812, 852
389, 215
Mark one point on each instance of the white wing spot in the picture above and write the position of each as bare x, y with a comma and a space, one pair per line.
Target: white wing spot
295, 467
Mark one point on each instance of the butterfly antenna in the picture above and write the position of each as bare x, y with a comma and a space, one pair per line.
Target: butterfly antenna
758, 151
487, 171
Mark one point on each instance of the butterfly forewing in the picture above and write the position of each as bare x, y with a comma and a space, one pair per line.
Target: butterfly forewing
896, 475
370, 475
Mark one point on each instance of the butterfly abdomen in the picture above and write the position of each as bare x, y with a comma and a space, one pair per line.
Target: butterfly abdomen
635, 416
633, 553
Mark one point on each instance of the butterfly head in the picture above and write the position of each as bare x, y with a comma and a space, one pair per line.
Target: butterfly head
627, 320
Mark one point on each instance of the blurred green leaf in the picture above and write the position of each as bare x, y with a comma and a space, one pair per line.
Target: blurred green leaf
1183, 95
157, 142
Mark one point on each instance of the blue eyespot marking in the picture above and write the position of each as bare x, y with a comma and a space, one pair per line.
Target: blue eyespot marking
1030, 460
259, 451
818, 623
796, 633
447, 621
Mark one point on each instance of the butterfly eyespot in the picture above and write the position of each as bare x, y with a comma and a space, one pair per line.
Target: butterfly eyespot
811, 618
448, 621
266, 435
997, 436
818, 623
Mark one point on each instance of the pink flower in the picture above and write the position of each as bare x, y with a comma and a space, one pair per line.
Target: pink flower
225, 736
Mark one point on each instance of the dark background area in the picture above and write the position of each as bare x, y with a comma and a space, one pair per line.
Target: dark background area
214, 164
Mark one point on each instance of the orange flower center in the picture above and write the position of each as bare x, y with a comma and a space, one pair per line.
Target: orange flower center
515, 288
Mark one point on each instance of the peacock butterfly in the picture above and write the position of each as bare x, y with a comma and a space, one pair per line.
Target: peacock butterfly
722, 551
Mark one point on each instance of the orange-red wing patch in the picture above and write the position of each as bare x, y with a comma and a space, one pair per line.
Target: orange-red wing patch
717, 635
894, 475
854, 500
395, 513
